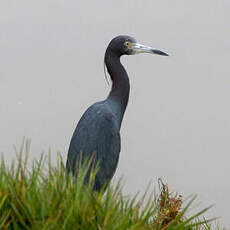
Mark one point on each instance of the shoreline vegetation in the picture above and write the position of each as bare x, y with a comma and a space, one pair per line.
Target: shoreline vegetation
44, 197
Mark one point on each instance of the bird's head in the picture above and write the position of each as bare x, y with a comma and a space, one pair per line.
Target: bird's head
126, 45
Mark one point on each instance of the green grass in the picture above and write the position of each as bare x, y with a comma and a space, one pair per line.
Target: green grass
43, 197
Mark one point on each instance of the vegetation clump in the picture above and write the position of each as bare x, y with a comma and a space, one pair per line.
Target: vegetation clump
169, 205
42, 197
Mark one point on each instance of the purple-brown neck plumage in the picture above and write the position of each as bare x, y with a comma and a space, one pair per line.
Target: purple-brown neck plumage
119, 94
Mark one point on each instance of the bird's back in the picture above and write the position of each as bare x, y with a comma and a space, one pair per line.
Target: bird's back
97, 133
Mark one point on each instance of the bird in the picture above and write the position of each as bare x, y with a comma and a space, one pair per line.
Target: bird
97, 133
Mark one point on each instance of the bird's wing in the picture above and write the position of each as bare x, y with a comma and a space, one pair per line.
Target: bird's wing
96, 133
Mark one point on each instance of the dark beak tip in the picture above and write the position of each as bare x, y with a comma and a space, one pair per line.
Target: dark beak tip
160, 52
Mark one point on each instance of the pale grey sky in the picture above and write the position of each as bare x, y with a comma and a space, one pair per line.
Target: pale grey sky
177, 124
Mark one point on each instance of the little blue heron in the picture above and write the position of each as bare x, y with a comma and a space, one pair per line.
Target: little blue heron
98, 131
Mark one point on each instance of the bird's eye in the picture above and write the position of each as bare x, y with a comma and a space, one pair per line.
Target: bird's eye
128, 44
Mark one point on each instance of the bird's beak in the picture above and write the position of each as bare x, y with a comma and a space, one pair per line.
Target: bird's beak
139, 48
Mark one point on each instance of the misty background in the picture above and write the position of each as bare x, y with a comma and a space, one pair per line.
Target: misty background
177, 123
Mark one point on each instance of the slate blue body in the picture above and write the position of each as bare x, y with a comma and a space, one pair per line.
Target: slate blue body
97, 133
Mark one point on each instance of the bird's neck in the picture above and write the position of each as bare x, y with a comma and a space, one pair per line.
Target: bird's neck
119, 94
